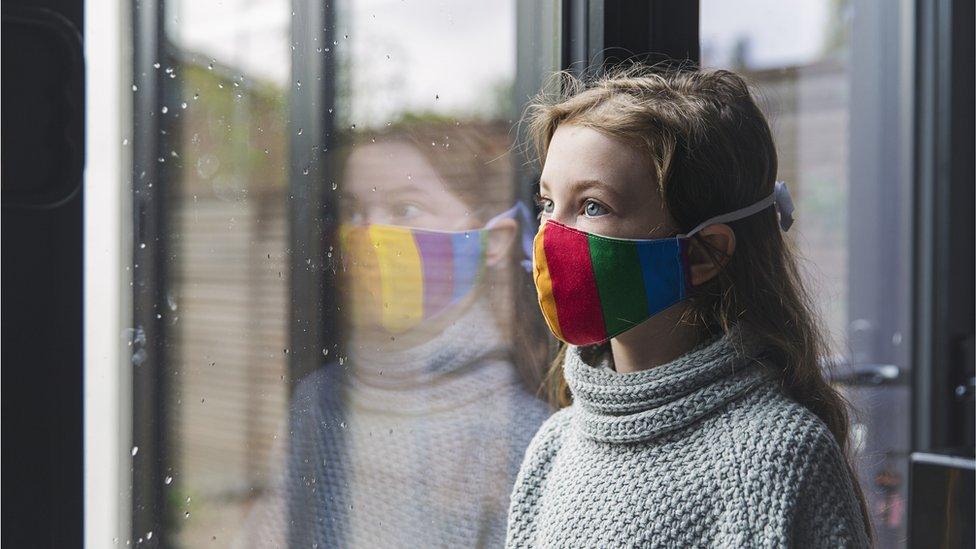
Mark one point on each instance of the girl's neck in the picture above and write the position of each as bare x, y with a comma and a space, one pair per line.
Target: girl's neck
659, 340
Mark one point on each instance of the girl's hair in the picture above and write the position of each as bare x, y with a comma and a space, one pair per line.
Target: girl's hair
712, 152
474, 162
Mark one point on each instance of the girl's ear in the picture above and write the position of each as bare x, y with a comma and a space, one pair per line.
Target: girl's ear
706, 260
501, 237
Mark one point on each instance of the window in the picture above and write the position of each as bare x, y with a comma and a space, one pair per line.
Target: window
299, 373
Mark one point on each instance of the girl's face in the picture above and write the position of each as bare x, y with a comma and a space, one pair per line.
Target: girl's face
601, 184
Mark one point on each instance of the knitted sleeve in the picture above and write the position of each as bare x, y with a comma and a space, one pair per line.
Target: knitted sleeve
531, 478
828, 513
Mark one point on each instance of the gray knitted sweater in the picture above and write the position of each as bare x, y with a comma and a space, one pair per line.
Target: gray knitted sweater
702, 451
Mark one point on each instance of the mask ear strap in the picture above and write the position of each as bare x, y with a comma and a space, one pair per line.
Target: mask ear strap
527, 223
780, 197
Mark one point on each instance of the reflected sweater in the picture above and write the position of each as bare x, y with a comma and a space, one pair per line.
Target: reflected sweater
706, 450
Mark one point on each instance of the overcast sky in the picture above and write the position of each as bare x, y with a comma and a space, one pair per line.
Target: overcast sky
445, 55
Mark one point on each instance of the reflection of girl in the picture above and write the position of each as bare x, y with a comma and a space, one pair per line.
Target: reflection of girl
414, 438
700, 415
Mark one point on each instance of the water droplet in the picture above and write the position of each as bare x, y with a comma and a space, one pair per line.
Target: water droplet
135, 88
342, 424
125, 142
335, 185
186, 515
149, 535
168, 480
142, 246
305, 171
211, 65
353, 127
155, 65
135, 450
165, 109
300, 130
183, 105
325, 352
436, 97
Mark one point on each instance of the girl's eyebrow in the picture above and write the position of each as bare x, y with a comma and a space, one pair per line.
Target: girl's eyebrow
585, 184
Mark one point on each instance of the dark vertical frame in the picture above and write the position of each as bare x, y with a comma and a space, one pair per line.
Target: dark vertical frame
43, 201
601, 34
149, 270
313, 208
942, 409
944, 232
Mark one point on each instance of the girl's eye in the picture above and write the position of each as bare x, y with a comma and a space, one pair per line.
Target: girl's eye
545, 204
594, 209
405, 210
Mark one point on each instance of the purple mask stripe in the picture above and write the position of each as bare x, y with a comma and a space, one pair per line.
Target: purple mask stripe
467, 262
660, 262
437, 259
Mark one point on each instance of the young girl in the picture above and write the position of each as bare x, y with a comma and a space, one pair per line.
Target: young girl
700, 415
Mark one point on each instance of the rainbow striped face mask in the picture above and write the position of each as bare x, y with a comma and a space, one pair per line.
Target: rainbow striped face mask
592, 288
397, 278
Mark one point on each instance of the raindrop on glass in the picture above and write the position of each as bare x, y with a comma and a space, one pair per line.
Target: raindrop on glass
165, 109
155, 65
135, 450
168, 480
135, 88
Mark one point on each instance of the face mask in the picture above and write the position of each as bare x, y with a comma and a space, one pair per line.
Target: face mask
399, 277
592, 288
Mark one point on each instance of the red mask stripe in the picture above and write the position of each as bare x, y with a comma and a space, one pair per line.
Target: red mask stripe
573, 284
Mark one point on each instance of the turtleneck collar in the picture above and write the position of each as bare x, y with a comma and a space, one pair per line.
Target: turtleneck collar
639, 406
469, 358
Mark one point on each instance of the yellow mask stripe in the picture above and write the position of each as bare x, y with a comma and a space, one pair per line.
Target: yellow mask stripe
543, 285
401, 277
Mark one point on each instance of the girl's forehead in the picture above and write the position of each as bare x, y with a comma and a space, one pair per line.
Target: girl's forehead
579, 157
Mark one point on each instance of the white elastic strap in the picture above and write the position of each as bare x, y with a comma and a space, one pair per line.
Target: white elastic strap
780, 196
527, 225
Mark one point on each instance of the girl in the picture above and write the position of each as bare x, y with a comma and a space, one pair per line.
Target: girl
700, 415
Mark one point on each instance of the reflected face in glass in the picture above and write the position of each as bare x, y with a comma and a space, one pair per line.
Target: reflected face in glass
413, 253
393, 184
600, 184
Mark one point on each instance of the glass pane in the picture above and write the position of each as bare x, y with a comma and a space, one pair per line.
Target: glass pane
833, 77
227, 284
388, 133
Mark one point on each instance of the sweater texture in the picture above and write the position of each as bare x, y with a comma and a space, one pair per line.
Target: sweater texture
704, 451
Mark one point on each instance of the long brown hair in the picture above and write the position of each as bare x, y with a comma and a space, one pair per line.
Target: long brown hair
712, 152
